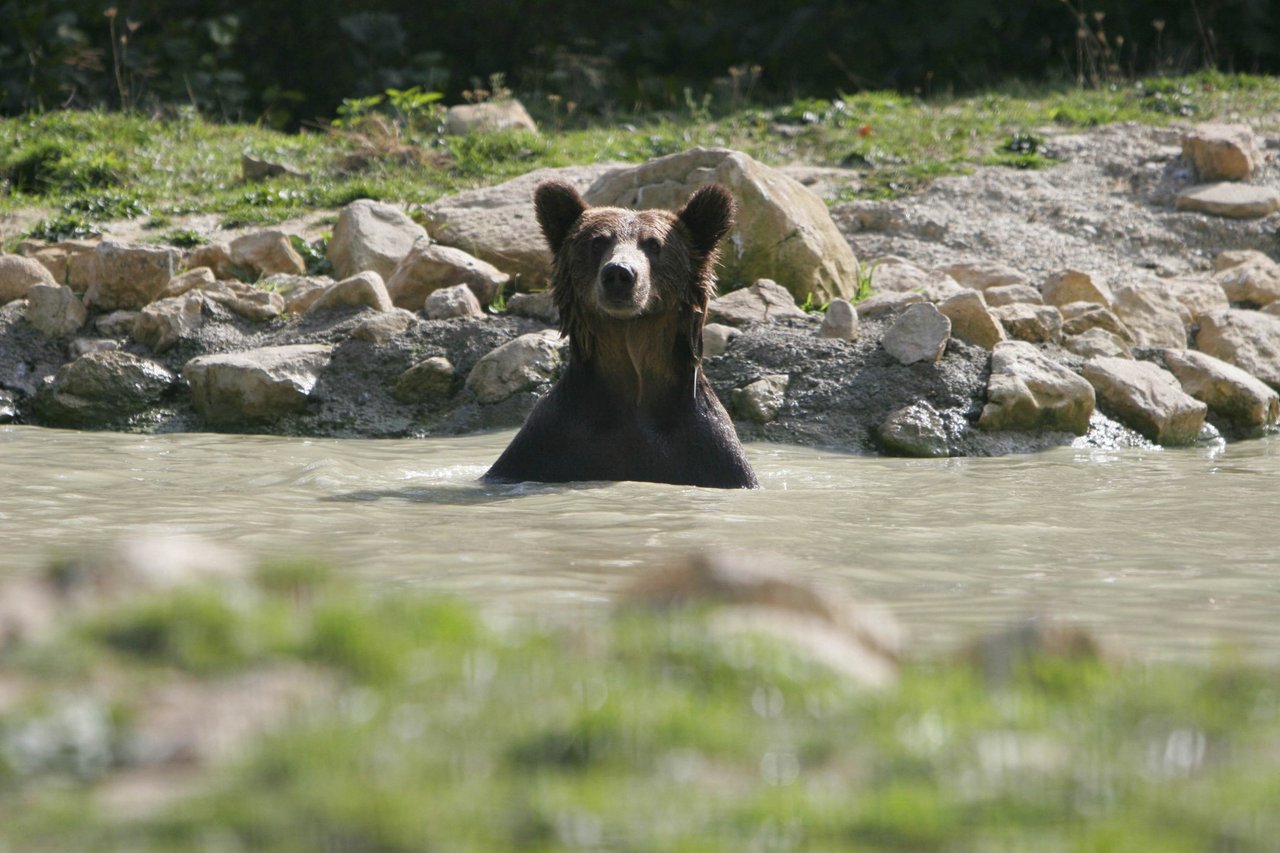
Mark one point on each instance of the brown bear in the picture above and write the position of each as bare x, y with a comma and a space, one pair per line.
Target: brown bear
632, 288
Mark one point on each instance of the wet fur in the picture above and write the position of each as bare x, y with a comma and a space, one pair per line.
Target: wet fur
633, 403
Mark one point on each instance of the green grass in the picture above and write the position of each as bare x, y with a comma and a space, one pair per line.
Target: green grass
646, 732
88, 164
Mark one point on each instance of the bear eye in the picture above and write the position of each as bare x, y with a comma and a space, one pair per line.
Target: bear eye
599, 241
650, 246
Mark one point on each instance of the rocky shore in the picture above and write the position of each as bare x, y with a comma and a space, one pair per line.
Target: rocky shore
1103, 300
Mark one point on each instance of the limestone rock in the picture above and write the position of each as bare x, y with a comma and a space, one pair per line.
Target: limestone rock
497, 224
372, 236
782, 230
129, 276
427, 380
1155, 317
229, 389
52, 258
840, 321
1256, 281
1079, 317
1029, 391
886, 304
981, 275
361, 290
536, 306
716, 339
971, 321
761, 400
1012, 294
916, 430
897, 276
1147, 398
487, 117
216, 256
166, 321
1096, 341
450, 303
1198, 296
267, 253
1221, 152
298, 292
1235, 201
1234, 257
1033, 323
1242, 400
382, 327
82, 264
55, 310
763, 302
428, 268
19, 274
196, 278
117, 324
520, 365
1248, 339
919, 334
1073, 285
102, 387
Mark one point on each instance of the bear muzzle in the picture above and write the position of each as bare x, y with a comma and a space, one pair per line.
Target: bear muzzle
622, 290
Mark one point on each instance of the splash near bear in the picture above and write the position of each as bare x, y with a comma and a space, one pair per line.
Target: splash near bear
632, 288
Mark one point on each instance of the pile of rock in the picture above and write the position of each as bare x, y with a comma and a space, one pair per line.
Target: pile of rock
1225, 157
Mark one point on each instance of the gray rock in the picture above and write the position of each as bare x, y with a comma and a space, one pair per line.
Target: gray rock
256, 385
117, 324
165, 322
1095, 342
1033, 323
1071, 285
1221, 152
880, 305
919, 334
1241, 400
1029, 391
1012, 294
916, 430
1248, 339
426, 381
363, 290
428, 268
782, 230
372, 236
18, 275
971, 321
130, 277
760, 401
102, 388
382, 327
1155, 317
1255, 281
763, 302
451, 303
55, 310
267, 253
535, 306
487, 117
840, 321
526, 363
716, 339
1235, 201
981, 275
84, 346
1146, 398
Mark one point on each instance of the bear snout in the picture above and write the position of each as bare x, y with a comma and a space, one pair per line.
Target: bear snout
622, 287
618, 281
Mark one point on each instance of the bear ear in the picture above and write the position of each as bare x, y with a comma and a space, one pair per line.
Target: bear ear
558, 206
708, 216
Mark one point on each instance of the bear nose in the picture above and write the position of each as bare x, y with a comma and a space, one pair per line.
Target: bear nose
618, 280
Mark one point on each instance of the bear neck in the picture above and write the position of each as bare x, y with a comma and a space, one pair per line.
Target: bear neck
649, 363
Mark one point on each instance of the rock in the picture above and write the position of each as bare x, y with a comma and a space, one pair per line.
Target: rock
254, 170
535, 306
1012, 294
55, 310
760, 401
497, 224
1029, 391
1197, 296
840, 321
299, 292
83, 268
1096, 341
916, 430
101, 388
197, 278
1033, 323
267, 253
971, 321
716, 339
1079, 317
763, 302
523, 364
488, 117
919, 334
52, 258
1072, 285
363, 290
1256, 281
1221, 152
886, 304
216, 256
453, 302
84, 346
1235, 201
8, 413
18, 275
129, 276
372, 236
897, 276
1241, 400
782, 230
1234, 257
1155, 317
256, 385
427, 380
1147, 398
428, 268
981, 275
382, 327
1248, 339
165, 322
117, 324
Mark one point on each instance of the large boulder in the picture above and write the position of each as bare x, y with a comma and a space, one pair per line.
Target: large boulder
55, 310
373, 236
763, 302
428, 268
166, 321
523, 364
915, 430
1029, 391
1154, 316
1147, 398
1232, 200
1080, 317
488, 117
267, 253
1029, 322
1256, 281
1243, 401
1248, 339
256, 385
782, 229
364, 290
19, 274
129, 276
1071, 285
1221, 152
102, 388
971, 320
1199, 296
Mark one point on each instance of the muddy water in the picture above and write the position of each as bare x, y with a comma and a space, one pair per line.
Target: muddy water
1168, 553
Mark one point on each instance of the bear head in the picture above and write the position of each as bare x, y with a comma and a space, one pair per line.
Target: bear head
615, 264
